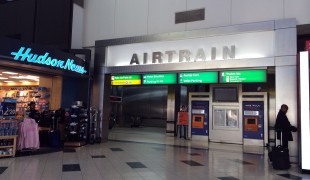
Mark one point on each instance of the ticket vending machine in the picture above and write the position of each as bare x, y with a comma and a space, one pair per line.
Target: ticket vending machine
199, 120
253, 122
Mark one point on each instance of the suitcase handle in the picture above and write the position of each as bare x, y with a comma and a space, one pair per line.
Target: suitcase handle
276, 132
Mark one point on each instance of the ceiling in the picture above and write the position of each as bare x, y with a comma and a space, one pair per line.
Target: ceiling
9, 76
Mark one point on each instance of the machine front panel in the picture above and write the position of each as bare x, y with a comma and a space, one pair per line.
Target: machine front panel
253, 119
200, 118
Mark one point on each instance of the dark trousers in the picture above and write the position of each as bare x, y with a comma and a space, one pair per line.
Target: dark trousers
182, 131
285, 143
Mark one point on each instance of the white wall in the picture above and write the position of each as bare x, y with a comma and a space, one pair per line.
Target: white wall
77, 27
118, 18
99, 21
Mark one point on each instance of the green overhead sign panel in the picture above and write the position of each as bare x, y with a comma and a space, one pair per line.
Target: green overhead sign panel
198, 77
243, 76
126, 79
154, 79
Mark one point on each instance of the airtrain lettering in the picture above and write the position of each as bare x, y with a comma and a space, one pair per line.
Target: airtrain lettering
183, 55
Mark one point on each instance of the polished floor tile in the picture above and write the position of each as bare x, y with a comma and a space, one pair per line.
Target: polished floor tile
148, 154
242, 162
290, 176
2, 169
69, 150
228, 178
98, 156
192, 163
116, 149
135, 165
71, 167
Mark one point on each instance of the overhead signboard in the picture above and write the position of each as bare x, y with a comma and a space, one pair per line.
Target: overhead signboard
170, 78
126, 80
205, 49
198, 77
19, 52
243, 76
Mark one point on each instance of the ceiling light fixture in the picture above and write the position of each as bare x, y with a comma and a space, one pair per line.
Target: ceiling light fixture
7, 72
32, 77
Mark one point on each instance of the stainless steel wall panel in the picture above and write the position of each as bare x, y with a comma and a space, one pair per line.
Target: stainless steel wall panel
286, 93
285, 61
147, 102
205, 65
171, 108
285, 23
286, 42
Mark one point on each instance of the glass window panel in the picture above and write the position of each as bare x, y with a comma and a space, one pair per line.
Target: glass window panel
232, 118
219, 117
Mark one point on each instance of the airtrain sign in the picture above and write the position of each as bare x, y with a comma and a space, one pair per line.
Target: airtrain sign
204, 49
184, 55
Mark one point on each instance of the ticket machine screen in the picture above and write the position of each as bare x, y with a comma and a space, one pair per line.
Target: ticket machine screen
198, 121
251, 121
251, 124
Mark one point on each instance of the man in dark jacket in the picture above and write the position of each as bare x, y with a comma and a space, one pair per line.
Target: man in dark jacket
34, 114
283, 125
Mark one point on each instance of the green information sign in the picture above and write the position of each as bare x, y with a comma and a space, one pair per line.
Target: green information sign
159, 78
258, 75
127, 79
198, 77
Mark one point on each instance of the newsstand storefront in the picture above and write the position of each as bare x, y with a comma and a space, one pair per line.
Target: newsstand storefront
45, 76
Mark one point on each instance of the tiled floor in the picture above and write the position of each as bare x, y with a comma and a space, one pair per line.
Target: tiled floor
139, 155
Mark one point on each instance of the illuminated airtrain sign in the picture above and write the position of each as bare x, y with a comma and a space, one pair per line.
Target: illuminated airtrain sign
190, 50
183, 55
25, 54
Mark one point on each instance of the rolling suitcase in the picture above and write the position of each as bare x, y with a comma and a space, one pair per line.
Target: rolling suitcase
279, 156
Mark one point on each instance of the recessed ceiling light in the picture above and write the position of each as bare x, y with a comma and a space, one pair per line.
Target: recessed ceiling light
36, 78
17, 77
7, 72
32, 77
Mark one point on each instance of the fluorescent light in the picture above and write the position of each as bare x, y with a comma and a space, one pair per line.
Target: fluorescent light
8, 81
36, 78
3, 78
304, 109
7, 72
25, 82
17, 77
32, 77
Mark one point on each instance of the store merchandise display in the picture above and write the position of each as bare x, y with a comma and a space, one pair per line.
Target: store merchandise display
94, 126
22, 96
28, 135
8, 131
76, 123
